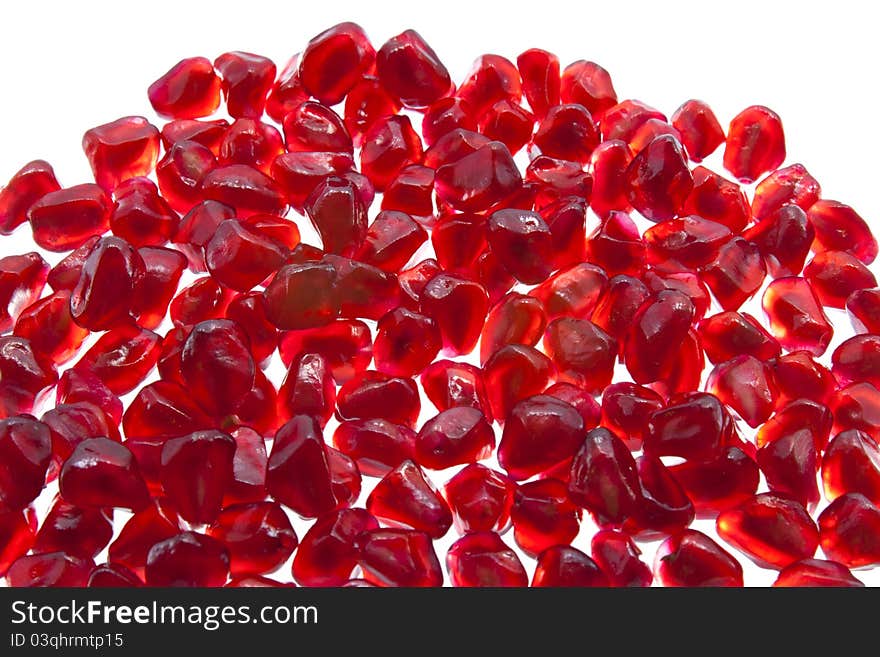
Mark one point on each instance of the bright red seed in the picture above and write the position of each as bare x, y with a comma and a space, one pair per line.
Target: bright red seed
399, 557
189, 90
123, 149
259, 537
334, 61
483, 559
406, 497
700, 131
543, 516
693, 559
849, 531
755, 143
816, 572
187, 559
563, 565
618, 557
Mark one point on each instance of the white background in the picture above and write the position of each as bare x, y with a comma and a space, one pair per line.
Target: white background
68, 67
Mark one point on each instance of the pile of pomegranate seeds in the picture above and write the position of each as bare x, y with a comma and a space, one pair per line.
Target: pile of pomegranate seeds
192, 394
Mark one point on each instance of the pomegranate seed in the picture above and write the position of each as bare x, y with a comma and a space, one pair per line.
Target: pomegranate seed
522, 241
618, 557
730, 334
851, 464
849, 530
560, 183
308, 389
391, 240
791, 184
626, 409
30, 183
410, 70
583, 353
207, 133
700, 131
480, 499
456, 436
50, 329
76, 386
692, 428
574, 291
515, 372
250, 142
816, 572
604, 479
857, 406
329, 552
771, 530
52, 569
720, 483
405, 497
344, 344
540, 432
755, 143
315, 127
834, 275
795, 416
588, 84
685, 243
26, 448
856, 359
367, 103
539, 71
543, 516
123, 149
248, 466
790, 463
745, 384
562, 565
259, 537
840, 228
798, 376
334, 61
377, 445
444, 116
372, 394
659, 326
483, 559
609, 162
22, 279
145, 528
113, 575
245, 188
617, 246
411, 191
616, 308
479, 179
459, 307
245, 80
203, 300
301, 296
163, 409
187, 559
650, 130
658, 180
162, 271
196, 471
79, 532
399, 557
507, 122
16, 537
189, 90
122, 358
717, 199
567, 132
65, 219
102, 473
248, 310
664, 507
796, 316
693, 559
736, 274
299, 472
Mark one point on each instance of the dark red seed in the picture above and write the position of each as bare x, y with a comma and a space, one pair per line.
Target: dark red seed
543, 516
196, 472
784, 239
664, 507
479, 180
539, 71
399, 557
626, 409
162, 271
377, 446
583, 353
480, 499
329, 551
617, 307
113, 575
110, 275
851, 464
692, 428
334, 61
574, 291
259, 537
539, 433
736, 274
52, 569
588, 84
26, 449
299, 472
730, 334
65, 219
145, 528
48, 326
609, 162
203, 300
189, 90
459, 307
22, 279
604, 479
849, 531
522, 241
103, 473
406, 343
796, 316
207, 133
685, 243
746, 385
456, 436
755, 143
693, 559
658, 179
301, 296
718, 199
771, 530
405, 497
567, 132
840, 228
790, 463
558, 181
410, 70
616, 245
563, 565
30, 183
791, 184
515, 372
240, 258
798, 376
372, 394
700, 131
345, 345
795, 416
245, 80
74, 386
122, 149
313, 127
367, 103
618, 557
16, 537
245, 188
658, 328
363, 291
122, 358
187, 559
308, 389
816, 572
287, 93
483, 559
718, 484
857, 359
834, 275
857, 406
248, 310
79, 532
248, 466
